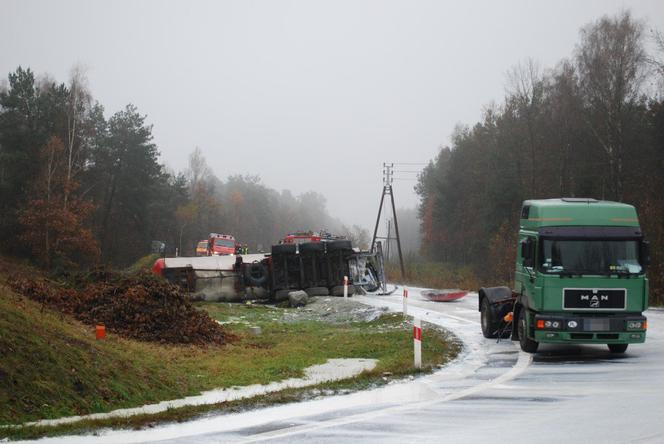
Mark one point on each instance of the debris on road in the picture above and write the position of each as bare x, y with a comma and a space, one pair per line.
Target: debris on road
334, 310
444, 295
297, 298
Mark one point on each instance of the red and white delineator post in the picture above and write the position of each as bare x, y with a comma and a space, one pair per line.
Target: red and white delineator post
417, 342
345, 287
405, 301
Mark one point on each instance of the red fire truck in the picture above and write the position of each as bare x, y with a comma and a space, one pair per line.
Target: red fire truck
302, 237
221, 244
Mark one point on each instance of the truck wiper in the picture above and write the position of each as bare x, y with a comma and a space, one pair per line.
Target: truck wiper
621, 273
572, 273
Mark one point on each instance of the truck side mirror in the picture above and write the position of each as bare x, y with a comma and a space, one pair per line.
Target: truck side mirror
645, 253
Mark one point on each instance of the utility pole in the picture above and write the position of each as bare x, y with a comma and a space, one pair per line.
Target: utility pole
387, 190
389, 238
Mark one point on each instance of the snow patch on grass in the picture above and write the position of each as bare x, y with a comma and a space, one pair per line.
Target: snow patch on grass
332, 370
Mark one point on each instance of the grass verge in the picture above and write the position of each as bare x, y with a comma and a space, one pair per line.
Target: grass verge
52, 366
433, 275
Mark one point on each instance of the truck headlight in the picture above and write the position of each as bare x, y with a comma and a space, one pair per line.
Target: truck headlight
551, 324
635, 325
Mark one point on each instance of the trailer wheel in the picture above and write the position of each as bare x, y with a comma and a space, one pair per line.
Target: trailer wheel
317, 291
339, 290
256, 274
489, 324
342, 244
281, 295
284, 249
617, 348
527, 344
312, 246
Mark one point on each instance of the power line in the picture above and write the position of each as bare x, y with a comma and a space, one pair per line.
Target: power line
388, 171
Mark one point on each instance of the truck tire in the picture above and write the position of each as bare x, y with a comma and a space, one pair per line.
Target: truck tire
339, 290
256, 274
317, 291
312, 246
342, 244
489, 324
617, 348
281, 295
527, 344
284, 249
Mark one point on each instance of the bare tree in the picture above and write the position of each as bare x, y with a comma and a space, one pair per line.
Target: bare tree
564, 122
78, 103
611, 63
526, 88
657, 61
198, 171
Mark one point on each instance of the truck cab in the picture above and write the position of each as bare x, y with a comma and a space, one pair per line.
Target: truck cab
221, 244
580, 274
301, 237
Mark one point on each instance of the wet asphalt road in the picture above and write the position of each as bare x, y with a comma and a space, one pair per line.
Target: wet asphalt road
491, 393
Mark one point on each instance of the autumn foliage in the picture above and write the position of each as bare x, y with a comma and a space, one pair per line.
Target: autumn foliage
56, 221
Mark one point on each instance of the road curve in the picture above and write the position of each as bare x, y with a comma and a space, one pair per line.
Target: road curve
491, 393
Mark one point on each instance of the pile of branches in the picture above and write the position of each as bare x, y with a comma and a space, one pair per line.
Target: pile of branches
143, 307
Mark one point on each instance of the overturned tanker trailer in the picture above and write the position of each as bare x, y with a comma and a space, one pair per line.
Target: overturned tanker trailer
318, 268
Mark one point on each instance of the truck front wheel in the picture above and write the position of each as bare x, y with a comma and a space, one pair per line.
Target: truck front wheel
527, 344
489, 324
617, 348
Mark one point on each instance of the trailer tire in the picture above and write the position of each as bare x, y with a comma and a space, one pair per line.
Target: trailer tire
256, 274
284, 249
312, 246
281, 295
342, 244
617, 348
527, 344
339, 290
489, 324
317, 291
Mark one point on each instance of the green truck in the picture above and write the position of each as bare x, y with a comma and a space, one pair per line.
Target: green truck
580, 277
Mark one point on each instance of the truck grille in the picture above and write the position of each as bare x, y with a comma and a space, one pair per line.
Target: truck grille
594, 299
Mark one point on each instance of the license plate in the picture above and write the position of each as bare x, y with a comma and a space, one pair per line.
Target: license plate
595, 325
594, 299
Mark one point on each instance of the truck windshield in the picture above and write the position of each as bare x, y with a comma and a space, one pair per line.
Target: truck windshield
224, 243
590, 256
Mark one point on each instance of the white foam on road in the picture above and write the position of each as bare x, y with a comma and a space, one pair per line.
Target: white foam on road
332, 370
452, 382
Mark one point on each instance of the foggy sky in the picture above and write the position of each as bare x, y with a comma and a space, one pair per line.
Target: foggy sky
308, 95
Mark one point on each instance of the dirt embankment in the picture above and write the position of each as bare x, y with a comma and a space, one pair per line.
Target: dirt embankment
142, 307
